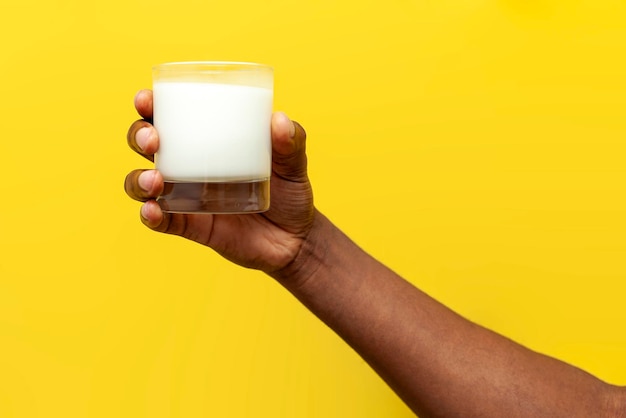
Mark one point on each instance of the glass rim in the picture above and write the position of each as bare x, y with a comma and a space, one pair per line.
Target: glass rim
210, 66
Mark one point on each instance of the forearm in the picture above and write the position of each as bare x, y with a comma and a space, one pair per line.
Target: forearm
438, 362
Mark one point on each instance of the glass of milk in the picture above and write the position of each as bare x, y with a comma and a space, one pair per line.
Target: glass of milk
213, 120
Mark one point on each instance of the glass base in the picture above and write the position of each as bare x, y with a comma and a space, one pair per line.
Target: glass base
232, 197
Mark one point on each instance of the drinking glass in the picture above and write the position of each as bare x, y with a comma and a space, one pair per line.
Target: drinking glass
213, 121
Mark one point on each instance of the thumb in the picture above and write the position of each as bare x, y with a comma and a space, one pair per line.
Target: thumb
288, 149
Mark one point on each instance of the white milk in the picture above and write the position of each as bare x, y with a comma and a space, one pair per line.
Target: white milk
212, 132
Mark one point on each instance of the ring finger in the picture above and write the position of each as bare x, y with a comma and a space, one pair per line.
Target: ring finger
143, 185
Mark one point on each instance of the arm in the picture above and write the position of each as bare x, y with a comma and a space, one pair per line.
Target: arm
439, 363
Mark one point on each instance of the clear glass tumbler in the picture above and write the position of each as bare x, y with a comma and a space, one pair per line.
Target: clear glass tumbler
213, 120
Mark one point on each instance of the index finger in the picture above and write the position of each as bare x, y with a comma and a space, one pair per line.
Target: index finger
143, 103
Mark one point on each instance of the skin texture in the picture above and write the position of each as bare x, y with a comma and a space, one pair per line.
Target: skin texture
439, 363
266, 241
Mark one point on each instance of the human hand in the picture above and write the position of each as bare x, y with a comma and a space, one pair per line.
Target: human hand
266, 241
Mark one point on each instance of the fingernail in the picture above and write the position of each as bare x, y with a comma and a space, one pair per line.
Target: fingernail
150, 214
286, 120
142, 137
144, 211
146, 180
292, 129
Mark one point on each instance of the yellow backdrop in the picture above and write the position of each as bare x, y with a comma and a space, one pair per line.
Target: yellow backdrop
477, 147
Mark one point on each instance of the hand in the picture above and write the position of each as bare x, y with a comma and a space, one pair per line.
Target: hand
266, 241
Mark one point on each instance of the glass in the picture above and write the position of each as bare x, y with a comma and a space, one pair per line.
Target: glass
214, 122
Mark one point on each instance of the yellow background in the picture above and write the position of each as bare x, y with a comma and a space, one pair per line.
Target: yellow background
477, 147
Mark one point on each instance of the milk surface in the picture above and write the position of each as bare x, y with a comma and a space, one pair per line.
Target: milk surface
212, 132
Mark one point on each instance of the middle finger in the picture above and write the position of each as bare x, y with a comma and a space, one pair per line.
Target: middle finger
143, 139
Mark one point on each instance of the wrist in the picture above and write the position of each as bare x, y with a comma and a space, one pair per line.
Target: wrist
310, 258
